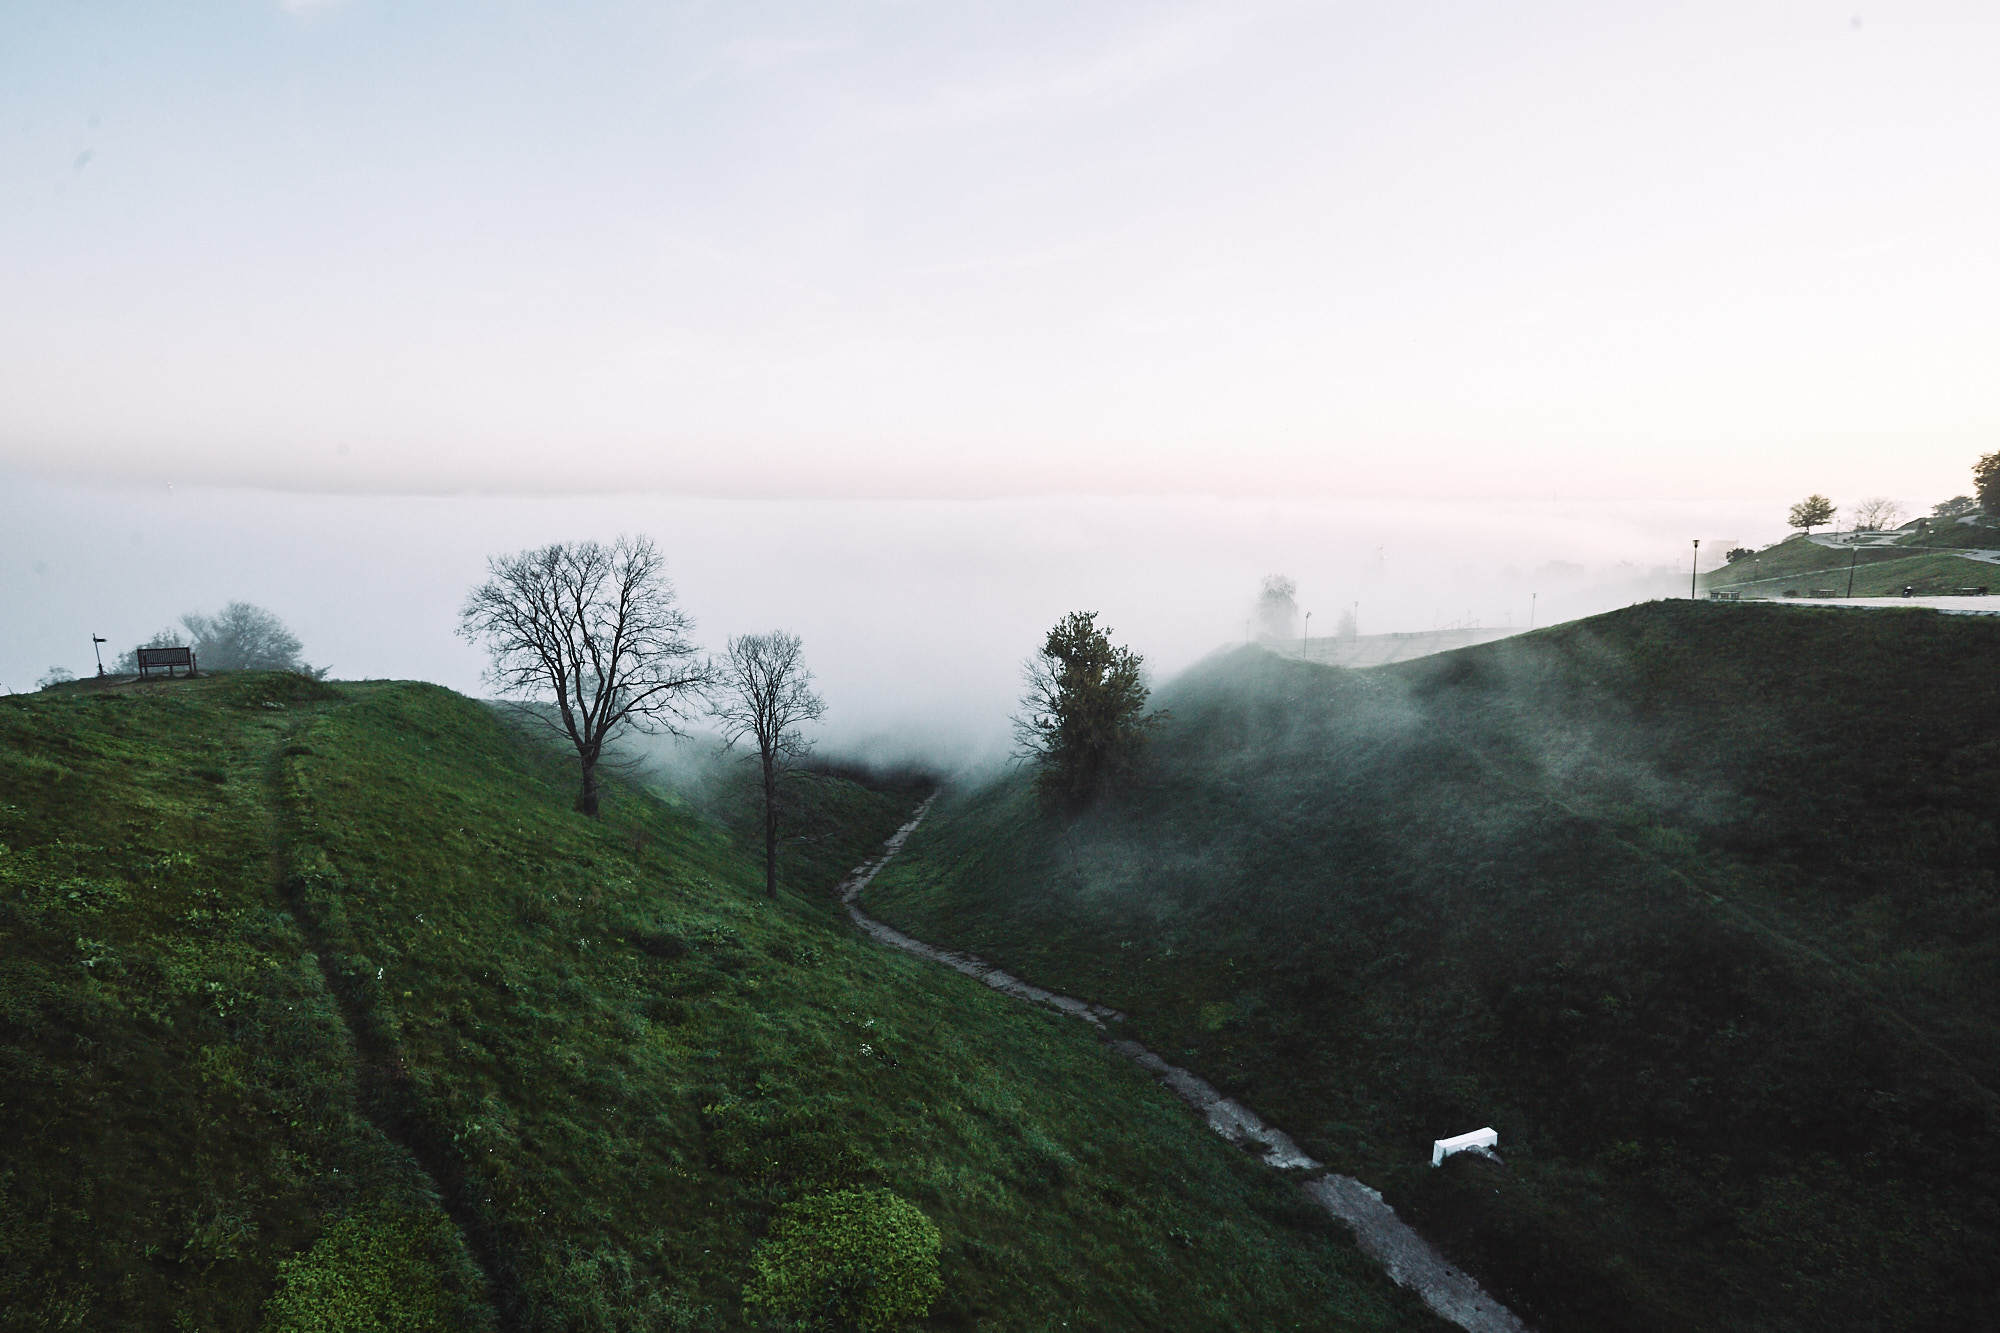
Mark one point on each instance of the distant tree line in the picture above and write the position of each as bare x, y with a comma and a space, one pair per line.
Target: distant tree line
1879, 512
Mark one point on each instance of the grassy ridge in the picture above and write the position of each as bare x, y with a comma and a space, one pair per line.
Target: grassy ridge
1696, 903
176, 1086
1920, 561
324, 1011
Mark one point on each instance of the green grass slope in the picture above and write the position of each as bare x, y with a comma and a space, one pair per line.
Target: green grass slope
1921, 560
320, 1010
1696, 903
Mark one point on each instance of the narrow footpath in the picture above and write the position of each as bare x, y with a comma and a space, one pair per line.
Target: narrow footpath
1407, 1257
383, 1086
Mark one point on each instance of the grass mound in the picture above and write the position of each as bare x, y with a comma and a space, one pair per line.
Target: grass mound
1696, 903
333, 1011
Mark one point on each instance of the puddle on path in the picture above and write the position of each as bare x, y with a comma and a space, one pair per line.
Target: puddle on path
1384, 1237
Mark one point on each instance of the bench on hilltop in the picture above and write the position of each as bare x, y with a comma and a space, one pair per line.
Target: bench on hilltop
151, 659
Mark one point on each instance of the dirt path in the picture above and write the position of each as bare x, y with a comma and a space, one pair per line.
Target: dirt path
1407, 1257
384, 1094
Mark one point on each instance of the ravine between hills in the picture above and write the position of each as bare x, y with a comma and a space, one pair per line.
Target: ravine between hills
1407, 1257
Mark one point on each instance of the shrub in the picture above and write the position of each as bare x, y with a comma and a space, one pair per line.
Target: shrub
856, 1258
376, 1271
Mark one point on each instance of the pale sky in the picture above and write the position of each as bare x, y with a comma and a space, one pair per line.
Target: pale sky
958, 252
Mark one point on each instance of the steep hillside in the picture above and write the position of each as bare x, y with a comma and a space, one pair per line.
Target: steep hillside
319, 1009
1696, 903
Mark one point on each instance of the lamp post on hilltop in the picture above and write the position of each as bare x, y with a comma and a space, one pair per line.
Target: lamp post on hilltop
1853, 554
1306, 639
94, 641
1694, 566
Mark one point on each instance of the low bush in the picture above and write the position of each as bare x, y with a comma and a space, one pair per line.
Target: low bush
858, 1258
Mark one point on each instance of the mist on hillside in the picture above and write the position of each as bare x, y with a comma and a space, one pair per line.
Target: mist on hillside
1694, 902
1403, 767
916, 615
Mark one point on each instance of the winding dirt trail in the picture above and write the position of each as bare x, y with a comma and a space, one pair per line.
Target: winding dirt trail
1407, 1257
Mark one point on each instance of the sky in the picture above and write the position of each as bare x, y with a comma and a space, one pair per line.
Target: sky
960, 251
911, 326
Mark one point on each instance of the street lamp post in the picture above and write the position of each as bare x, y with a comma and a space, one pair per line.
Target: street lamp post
1853, 554
94, 641
1694, 566
1307, 637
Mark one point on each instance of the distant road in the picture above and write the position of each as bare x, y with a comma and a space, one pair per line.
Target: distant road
1367, 650
1962, 606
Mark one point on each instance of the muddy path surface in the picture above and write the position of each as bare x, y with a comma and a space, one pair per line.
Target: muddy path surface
1408, 1258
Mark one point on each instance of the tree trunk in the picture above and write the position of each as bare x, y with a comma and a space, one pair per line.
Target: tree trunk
770, 828
586, 800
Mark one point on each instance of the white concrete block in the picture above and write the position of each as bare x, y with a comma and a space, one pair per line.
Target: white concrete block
1478, 1138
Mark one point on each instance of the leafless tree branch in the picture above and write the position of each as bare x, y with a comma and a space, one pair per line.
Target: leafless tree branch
595, 632
766, 693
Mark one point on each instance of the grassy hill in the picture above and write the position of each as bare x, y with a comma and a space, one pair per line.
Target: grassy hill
1921, 559
1696, 903
319, 1009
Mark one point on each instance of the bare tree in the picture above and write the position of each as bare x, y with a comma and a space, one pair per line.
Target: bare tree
767, 693
595, 630
1875, 514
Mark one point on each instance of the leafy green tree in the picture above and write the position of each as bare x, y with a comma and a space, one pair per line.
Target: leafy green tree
242, 637
1956, 507
1811, 512
1278, 608
1083, 718
1986, 481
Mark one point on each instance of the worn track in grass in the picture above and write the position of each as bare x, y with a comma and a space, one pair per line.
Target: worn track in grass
383, 1090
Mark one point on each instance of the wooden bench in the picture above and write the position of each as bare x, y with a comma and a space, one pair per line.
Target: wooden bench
169, 658
1980, 591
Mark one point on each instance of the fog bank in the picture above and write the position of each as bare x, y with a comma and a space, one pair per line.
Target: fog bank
916, 614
